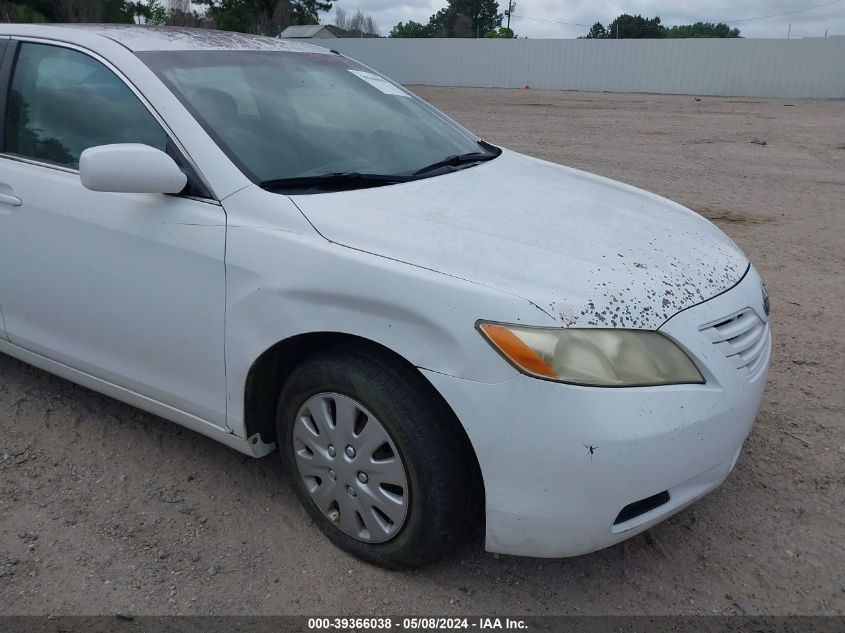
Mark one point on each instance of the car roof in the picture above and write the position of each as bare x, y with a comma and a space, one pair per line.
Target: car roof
139, 38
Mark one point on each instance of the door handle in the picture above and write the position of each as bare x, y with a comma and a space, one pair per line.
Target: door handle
6, 198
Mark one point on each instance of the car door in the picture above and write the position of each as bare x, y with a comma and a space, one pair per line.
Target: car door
128, 288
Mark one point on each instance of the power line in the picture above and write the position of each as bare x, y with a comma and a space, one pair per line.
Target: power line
523, 17
777, 15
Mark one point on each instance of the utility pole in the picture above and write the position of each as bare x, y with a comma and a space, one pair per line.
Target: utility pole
509, 11
789, 32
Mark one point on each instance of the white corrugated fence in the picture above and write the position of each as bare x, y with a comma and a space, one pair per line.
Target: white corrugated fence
794, 69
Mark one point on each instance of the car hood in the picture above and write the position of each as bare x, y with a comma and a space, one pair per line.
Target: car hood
586, 250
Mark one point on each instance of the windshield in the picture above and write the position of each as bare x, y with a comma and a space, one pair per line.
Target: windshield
281, 116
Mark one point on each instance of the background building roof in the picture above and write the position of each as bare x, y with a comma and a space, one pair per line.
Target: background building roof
308, 30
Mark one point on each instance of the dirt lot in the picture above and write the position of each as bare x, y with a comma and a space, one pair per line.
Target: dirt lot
105, 509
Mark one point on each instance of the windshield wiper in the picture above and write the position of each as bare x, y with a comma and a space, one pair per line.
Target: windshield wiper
340, 180
490, 152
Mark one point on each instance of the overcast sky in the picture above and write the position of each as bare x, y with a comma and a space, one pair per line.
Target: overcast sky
542, 18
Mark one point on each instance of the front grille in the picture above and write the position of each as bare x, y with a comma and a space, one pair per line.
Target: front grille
743, 338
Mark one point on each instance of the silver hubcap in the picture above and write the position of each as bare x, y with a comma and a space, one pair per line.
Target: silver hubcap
351, 467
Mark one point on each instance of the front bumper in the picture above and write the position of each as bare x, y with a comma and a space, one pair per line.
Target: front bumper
560, 462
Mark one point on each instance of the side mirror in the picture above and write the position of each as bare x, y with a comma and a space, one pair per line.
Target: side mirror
130, 168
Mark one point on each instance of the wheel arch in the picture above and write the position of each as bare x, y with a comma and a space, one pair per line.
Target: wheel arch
271, 369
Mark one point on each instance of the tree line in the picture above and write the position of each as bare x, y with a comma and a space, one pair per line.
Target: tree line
459, 18
266, 17
480, 18
637, 27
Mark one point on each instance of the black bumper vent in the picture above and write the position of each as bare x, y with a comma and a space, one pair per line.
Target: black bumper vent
633, 510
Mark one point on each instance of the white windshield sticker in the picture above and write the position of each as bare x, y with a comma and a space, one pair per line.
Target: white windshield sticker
380, 83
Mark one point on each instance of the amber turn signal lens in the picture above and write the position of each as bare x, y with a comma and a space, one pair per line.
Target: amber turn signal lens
515, 350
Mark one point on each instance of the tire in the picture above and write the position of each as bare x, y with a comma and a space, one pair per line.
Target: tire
442, 494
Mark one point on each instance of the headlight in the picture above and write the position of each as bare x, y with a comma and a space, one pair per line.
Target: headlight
593, 357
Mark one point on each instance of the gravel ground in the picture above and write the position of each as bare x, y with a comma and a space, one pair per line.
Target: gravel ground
106, 509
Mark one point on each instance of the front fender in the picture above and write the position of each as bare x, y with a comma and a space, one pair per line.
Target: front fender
282, 283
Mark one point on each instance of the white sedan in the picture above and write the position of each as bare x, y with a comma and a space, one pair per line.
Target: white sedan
275, 246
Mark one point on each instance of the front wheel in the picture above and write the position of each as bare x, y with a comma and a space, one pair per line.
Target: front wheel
376, 458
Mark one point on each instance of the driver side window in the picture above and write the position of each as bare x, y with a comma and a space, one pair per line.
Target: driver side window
62, 102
